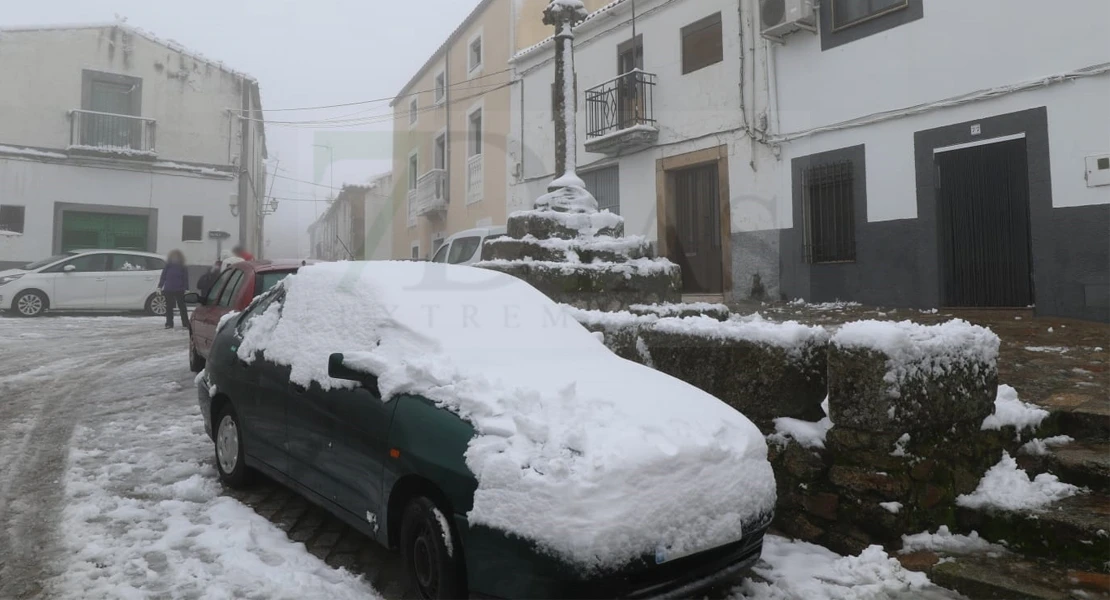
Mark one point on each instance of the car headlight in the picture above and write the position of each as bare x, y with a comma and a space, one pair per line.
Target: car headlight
9, 278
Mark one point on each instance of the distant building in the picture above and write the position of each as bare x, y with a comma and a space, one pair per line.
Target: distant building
356, 225
113, 138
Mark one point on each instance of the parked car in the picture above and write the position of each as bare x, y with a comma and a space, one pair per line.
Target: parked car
233, 291
465, 247
454, 414
117, 280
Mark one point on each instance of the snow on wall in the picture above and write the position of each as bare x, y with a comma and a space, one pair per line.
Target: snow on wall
913, 350
1007, 487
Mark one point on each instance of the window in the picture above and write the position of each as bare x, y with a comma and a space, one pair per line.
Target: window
130, 262
439, 158
259, 308
850, 12
441, 254
474, 55
86, 263
11, 218
463, 249
416, 251
604, 184
214, 292
265, 281
107, 95
192, 229
829, 207
413, 171
412, 111
475, 146
702, 44
441, 87
232, 287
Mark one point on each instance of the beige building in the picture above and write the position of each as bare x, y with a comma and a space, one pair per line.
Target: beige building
450, 126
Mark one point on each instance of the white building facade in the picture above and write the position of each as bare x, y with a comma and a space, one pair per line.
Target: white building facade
916, 153
112, 138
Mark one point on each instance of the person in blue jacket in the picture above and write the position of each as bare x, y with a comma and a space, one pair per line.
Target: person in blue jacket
173, 284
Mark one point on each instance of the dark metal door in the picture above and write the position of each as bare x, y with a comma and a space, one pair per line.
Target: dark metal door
983, 225
696, 243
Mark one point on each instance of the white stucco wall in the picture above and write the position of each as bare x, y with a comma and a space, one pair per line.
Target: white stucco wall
39, 185
694, 111
188, 97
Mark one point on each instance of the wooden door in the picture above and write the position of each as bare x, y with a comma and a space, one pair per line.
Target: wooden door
695, 243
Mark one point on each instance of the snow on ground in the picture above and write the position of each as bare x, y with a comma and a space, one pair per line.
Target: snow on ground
1007, 487
796, 570
591, 456
139, 511
1040, 447
1010, 410
949, 543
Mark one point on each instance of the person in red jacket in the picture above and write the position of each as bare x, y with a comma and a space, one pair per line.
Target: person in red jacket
242, 253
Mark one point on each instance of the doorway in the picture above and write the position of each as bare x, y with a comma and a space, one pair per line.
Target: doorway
983, 224
696, 241
630, 98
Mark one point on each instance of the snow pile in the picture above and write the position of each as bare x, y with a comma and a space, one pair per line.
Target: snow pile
837, 305
602, 243
587, 224
900, 445
31, 152
610, 321
1039, 447
949, 543
1009, 410
913, 350
1007, 487
670, 309
633, 267
799, 570
806, 433
1056, 349
571, 197
591, 456
891, 507
791, 336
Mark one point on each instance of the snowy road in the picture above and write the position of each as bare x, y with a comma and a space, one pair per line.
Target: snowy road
107, 490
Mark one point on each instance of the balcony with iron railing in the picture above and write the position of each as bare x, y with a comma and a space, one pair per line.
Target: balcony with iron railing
431, 193
107, 133
620, 114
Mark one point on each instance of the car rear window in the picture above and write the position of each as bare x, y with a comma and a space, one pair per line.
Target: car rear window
268, 280
463, 249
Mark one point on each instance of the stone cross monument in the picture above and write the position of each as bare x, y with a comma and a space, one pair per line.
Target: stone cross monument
567, 193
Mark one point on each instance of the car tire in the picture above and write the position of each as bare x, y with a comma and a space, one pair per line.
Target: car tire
196, 361
432, 569
156, 305
30, 303
230, 455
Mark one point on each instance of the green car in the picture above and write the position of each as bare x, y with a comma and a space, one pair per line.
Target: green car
338, 386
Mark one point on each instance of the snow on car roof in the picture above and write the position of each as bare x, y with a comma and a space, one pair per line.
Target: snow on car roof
597, 459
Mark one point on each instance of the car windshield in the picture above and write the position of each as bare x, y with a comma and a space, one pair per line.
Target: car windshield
270, 279
463, 249
38, 264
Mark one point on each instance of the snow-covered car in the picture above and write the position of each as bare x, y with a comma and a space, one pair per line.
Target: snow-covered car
461, 416
117, 280
465, 247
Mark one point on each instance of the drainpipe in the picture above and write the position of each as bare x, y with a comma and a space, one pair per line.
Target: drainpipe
244, 151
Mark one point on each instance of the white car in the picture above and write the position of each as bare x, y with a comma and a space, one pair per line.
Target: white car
85, 280
465, 247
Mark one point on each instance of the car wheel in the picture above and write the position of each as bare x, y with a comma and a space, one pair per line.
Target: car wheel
29, 304
196, 361
430, 556
156, 305
229, 449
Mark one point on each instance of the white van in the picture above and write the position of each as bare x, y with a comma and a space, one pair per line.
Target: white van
85, 280
465, 247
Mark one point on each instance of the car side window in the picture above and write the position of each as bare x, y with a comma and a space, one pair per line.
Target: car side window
128, 262
462, 249
214, 293
259, 307
231, 288
86, 263
154, 264
441, 254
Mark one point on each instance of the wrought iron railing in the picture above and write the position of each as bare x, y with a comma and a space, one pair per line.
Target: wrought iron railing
474, 180
620, 103
110, 132
431, 192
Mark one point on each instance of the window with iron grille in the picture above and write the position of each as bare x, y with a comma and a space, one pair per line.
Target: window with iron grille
828, 203
11, 218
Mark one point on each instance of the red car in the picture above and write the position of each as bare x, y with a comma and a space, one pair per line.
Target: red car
234, 290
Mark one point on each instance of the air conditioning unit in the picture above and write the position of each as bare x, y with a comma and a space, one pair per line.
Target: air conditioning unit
779, 18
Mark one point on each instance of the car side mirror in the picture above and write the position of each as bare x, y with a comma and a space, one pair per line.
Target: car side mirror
192, 298
338, 370
69, 269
